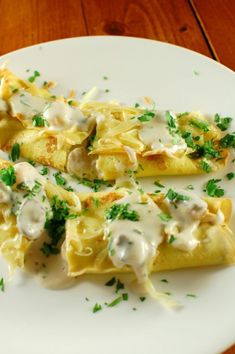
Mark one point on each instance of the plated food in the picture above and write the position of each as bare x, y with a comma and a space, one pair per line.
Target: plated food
123, 228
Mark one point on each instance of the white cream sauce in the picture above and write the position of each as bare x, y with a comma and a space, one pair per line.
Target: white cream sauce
25, 105
134, 243
59, 115
155, 134
31, 213
5, 194
51, 272
186, 216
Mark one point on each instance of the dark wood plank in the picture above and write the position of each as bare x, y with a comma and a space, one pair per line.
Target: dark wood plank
166, 20
25, 22
217, 18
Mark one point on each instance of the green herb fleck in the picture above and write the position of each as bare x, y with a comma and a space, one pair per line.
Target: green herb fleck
7, 175
171, 122
119, 286
34, 76
212, 189
105, 77
115, 301
200, 124
121, 212
205, 166
2, 285
142, 298
230, 175
228, 141
167, 293
176, 197
146, 116
172, 239
60, 180
191, 295
137, 105
97, 307
125, 297
164, 280
95, 184
158, 184
164, 217
111, 282
222, 123
39, 121
106, 90
44, 171
15, 152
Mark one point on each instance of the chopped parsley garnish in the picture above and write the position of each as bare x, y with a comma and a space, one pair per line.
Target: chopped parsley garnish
2, 285
119, 286
222, 123
121, 212
164, 280
111, 282
134, 308
137, 105
34, 76
142, 298
60, 180
158, 184
207, 150
167, 293
30, 192
105, 77
95, 184
97, 307
188, 137
106, 90
125, 297
33, 163
200, 124
55, 225
15, 152
230, 175
115, 301
7, 175
69, 189
212, 189
176, 197
172, 239
228, 141
164, 217
70, 102
39, 121
44, 171
146, 116
191, 295
205, 166
171, 122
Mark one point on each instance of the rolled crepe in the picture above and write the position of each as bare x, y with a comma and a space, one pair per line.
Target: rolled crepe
87, 243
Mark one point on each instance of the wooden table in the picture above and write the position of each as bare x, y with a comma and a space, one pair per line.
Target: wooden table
206, 26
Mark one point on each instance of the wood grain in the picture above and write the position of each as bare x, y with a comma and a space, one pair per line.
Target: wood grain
166, 20
217, 18
27, 22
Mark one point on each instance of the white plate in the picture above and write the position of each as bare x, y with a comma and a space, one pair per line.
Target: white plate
34, 320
